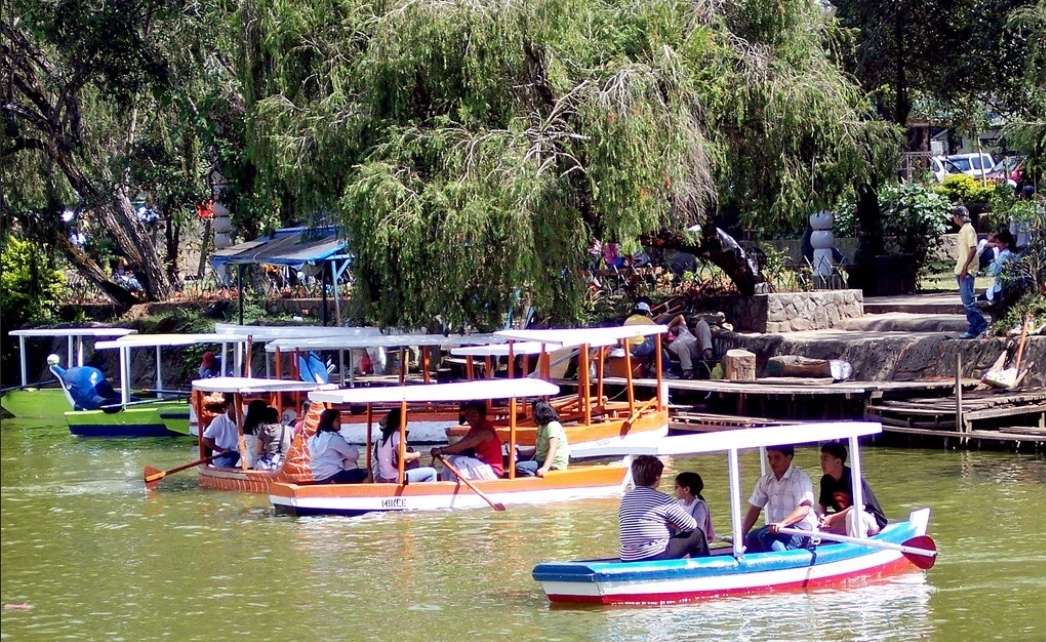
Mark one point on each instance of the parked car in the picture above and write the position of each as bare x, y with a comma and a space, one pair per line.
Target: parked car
975, 165
941, 167
1010, 170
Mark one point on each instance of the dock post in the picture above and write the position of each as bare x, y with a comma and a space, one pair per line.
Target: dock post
958, 398
21, 360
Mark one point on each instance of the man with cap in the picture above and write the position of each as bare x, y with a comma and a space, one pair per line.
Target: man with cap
643, 348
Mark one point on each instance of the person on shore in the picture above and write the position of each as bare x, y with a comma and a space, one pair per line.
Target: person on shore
647, 518
787, 494
688, 493
222, 437
333, 460
551, 450
1003, 242
837, 495
689, 349
274, 440
209, 366
965, 271
386, 455
478, 454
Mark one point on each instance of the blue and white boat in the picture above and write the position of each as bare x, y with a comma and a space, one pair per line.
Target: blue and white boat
730, 571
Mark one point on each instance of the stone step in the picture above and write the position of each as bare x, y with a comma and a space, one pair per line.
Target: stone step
914, 304
906, 322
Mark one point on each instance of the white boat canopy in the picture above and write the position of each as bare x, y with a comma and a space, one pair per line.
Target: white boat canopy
380, 341
265, 333
243, 385
464, 391
72, 335
165, 340
743, 438
584, 336
499, 349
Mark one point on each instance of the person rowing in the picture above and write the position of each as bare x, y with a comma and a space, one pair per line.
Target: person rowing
478, 454
788, 496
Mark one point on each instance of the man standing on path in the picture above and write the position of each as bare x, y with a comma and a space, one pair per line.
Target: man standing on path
965, 268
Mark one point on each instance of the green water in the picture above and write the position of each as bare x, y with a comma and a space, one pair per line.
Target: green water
95, 556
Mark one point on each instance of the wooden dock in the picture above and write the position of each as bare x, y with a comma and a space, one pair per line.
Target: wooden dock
796, 387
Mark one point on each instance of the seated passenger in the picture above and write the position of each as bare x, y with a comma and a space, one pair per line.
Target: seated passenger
274, 440
478, 454
209, 367
551, 450
788, 496
688, 493
837, 495
222, 437
333, 460
647, 517
386, 455
251, 421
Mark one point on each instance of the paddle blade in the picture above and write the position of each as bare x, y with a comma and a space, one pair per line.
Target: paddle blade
926, 543
153, 475
498, 507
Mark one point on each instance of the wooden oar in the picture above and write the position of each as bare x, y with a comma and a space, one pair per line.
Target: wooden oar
497, 506
155, 474
920, 550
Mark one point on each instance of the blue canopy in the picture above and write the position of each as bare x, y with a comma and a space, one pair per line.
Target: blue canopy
293, 246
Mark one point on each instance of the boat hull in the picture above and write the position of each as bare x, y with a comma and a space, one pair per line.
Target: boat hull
356, 499
36, 403
686, 580
160, 419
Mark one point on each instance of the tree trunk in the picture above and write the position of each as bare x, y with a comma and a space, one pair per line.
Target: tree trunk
90, 270
721, 249
869, 232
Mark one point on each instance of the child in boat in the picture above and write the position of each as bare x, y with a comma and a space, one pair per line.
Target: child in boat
333, 460
551, 450
478, 454
688, 492
274, 440
386, 451
647, 517
837, 495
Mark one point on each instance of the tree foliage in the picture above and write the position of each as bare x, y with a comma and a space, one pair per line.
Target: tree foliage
473, 148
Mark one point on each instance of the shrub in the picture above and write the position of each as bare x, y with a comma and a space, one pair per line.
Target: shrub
962, 189
915, 216
31, 287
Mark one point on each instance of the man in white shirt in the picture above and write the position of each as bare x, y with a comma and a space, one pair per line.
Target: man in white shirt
788, 496
222, 437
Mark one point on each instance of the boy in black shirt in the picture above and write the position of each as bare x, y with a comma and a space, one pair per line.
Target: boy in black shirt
837, 495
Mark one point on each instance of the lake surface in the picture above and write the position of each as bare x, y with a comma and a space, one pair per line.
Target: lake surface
88, 553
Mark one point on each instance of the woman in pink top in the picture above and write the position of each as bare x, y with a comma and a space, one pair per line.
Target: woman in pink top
386, 453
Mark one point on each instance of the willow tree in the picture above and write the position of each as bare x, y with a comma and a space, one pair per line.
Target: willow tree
474, 148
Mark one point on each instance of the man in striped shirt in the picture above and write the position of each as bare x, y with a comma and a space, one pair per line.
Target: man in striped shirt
646, 514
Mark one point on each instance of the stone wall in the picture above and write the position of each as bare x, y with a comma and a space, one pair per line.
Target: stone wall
795, 311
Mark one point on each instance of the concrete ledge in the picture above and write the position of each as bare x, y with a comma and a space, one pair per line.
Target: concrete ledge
796, 311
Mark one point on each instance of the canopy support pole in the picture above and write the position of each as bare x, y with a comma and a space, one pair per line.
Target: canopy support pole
762, 461
401, 474
584, 383
125, 387
279, 366
21, 361
323, 291
239, 358
470, 368
239, 290
858, 488
512, 437
735, 503
425, 365
225, 360
268, 366
241, 441
368, 439
80, 351
341, 362
662, 402
159, 373
628, 377
599, 375
69, 351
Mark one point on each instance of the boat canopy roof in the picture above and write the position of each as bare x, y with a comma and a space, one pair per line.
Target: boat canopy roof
499, 349
380, 341
584, 336
163, 340
742, 438
464, 391
245, 385
73, 332
265, 333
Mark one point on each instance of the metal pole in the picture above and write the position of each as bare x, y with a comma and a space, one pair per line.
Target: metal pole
239, 359
735, 502
21, 360
335, 273
512, 438
762, 461
159, 373
69, 351
402, 446
239, 292
323, 290
368, 438
857, 490
125, 390
268, 366
80, 351
225, 350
